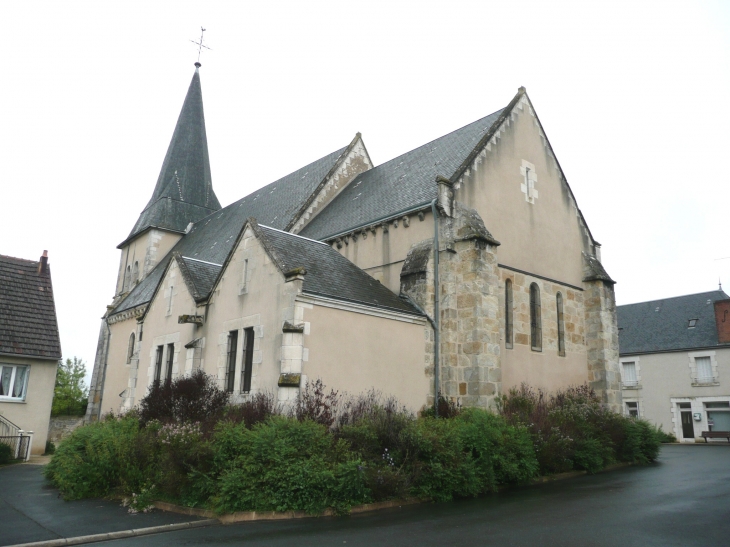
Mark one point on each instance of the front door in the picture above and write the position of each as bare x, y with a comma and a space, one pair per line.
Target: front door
688, 428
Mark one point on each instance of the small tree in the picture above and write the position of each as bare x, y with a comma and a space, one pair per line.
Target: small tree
70, 396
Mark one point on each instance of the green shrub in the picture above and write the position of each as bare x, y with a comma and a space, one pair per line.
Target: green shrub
50, 448
664, 437
6, 453
104, 457
571, 429
284, 464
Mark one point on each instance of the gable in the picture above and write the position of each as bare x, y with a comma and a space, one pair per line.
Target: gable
518, 187
402, 184
212, 238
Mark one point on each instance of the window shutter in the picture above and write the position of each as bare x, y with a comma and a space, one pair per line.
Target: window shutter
629, 374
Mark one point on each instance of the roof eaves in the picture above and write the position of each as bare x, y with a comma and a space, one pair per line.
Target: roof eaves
147, 228
420, 207
416, 313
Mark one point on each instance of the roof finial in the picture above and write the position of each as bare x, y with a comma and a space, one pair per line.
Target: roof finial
719, 284
200, 48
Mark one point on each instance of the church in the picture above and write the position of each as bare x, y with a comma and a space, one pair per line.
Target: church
464, 267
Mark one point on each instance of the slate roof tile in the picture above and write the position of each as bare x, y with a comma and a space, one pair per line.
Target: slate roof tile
329, 273
28, 325
184, 190
400, 184
212, 238
663, 325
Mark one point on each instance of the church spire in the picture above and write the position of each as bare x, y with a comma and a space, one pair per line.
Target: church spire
184, 190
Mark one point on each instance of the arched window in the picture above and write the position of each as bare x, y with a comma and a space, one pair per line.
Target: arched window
535, 319
508, 313
127, 279
561, 325
130, 348
135, 274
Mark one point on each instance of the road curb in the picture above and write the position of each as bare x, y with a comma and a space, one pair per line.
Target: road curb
93, 538
249, 516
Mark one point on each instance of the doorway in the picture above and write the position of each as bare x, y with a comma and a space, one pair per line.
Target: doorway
688, 428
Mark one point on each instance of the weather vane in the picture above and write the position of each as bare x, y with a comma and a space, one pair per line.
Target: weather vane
200, 44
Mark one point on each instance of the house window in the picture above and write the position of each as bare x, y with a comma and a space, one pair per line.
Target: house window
632, 409
535, 319
692, 323
135, 273
704, 370
247, 360
170, 357
231, 360
718, 415
13, 382
158, 363
629, 374
508, 313
130, 348
561, 325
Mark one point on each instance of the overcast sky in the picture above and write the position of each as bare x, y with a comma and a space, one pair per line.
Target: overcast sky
632, 97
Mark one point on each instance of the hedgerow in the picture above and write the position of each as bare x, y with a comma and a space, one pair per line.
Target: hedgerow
331, 451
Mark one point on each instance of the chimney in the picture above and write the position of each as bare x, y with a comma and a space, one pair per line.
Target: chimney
722, 320
43, 264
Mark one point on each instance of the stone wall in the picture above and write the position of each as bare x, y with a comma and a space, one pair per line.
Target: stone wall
61, 427
469, 307
573, 312
602, 343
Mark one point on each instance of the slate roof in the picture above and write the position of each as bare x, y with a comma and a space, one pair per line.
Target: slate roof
212, 238
184, 191
199, 276
662, 325
28, 326
328, 272
400, 184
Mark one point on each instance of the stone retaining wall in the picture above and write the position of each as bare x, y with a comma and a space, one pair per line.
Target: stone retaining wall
61, 427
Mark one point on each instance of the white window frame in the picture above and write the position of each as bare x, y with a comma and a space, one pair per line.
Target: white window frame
715, 381
638, 408
637, 367
24, 392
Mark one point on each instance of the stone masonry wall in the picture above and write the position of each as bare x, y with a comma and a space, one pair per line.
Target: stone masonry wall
573, 312
469, 307
602, 343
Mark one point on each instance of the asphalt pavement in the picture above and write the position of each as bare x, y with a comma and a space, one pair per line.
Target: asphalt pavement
32, 510
682, 500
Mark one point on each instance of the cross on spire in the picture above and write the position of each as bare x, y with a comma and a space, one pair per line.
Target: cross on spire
200, 45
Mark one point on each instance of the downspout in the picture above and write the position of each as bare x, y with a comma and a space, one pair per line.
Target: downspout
436, 314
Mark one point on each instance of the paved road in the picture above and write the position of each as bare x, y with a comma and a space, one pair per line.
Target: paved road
682, 500
31, 510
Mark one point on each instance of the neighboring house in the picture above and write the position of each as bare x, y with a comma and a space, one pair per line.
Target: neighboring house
329, 273
30, 347
675, 359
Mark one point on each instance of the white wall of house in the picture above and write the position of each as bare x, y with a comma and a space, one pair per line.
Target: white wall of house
666, 380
